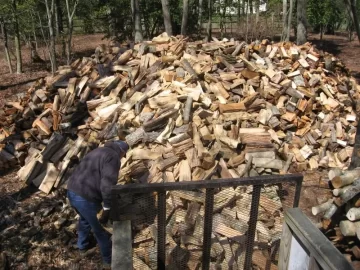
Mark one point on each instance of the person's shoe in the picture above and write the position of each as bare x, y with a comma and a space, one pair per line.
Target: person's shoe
106, 266
75, 247
91, 245
87, 252
81, 251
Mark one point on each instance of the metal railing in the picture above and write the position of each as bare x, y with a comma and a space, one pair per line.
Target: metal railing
146, 206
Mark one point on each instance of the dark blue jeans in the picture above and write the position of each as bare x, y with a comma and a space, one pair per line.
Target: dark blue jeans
88, 221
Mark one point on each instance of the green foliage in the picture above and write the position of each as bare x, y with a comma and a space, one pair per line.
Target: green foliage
114, 17
326, 15
152, 16
24, 12
273, 4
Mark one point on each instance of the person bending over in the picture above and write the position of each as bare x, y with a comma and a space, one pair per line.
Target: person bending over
88, 187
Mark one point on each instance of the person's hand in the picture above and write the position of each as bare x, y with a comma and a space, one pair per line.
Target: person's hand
104, 218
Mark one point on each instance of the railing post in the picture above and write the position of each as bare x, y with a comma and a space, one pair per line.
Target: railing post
252, 226
297, 193
122, 245
161, 230
209, 206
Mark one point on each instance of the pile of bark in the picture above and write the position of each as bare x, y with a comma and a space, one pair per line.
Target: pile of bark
341, 213
190, 111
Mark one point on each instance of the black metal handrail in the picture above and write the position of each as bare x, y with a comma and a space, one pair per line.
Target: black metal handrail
209, 185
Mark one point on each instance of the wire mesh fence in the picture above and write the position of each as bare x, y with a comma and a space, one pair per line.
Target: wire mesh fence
215, 224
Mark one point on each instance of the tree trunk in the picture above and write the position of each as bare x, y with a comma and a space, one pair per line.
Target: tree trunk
301, 22
350, 30
209, 26
284, 18
59, 18
222, 15
351, 4
6, 46
257, 6
200, 15
185, 17
284, 12
238, 13
321, 32
167, 18
147, 24
52, 50
33, 29
17, 39
247, 20
288, 30
57, 30
136, 21
70, 15
68, 44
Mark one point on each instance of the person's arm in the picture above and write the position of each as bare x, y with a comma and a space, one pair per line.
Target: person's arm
109, 178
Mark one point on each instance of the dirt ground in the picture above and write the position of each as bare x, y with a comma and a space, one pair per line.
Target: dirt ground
38, 231
347, 52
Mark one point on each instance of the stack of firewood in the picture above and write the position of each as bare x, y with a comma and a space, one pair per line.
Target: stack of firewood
341, 213
190, 111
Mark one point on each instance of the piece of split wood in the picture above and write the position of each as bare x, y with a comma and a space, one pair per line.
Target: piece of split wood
312, 57
303, 63
49, 179
184, 171
293, 74
306, 151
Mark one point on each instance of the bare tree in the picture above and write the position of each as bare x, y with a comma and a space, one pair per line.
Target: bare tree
351, 5
209, 26
247, 20
17, 38
33, 28
167, 18
50, 12
257, 6
6, 45
288, 30
222, 17
70, 17
57, 18
185, 17
59, 27
301, 22
285, 19
200, 15
251, 7
135, 8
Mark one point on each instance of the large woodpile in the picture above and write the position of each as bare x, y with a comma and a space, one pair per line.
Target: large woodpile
187, 108
190, 111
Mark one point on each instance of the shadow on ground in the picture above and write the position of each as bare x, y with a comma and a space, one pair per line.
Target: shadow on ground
39, 230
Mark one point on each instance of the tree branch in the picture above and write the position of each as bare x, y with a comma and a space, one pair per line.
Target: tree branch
74, 9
